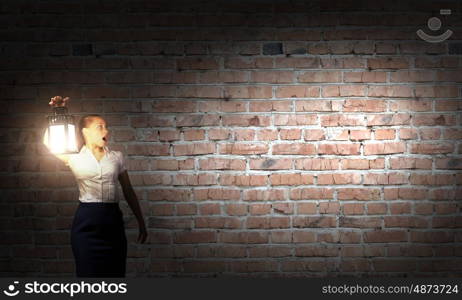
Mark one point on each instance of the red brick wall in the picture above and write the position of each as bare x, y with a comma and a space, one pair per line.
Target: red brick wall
263, 138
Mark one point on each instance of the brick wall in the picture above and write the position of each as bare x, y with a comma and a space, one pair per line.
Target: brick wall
263, 138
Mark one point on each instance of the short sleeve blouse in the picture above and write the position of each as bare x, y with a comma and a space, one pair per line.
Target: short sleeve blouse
97, 180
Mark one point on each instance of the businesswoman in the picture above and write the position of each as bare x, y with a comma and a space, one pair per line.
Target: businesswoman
98, 239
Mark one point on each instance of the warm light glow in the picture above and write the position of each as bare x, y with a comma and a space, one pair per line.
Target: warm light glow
57, 142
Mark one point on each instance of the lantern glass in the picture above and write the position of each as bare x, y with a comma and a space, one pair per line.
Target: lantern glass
60, 136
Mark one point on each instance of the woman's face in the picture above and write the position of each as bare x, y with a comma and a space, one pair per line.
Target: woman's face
96, 133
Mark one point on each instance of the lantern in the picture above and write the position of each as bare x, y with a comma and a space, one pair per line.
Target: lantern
60, 136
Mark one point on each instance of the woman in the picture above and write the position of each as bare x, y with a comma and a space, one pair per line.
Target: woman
98, 236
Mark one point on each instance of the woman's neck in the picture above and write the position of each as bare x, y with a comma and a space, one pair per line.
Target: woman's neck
95, 148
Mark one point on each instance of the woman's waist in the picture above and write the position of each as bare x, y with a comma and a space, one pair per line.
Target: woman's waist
98, 203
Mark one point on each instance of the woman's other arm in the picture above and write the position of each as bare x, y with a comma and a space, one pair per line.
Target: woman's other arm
132, 201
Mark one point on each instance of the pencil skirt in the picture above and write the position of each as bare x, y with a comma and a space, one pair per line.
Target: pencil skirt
98, 240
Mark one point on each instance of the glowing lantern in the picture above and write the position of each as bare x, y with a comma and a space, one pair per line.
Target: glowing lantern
60, 135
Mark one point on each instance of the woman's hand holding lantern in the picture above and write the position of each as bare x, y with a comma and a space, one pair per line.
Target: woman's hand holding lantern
57, 101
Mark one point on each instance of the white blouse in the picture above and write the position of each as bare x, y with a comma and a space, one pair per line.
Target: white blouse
97, 180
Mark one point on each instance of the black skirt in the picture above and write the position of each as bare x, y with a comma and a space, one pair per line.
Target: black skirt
98, 240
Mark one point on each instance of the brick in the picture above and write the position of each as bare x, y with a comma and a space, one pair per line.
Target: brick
82, 49
384, 148
411, 105
394, 91
306, 208
247, 92
316, 251
264, 195
217, 222
365, 76
388, 63
363, 164
221, 164
311, 193
317, 105
423, 208
281, 237
405, 221
246, 120
344, 91
270, 164
294, 148
448, 163
201, 179
259, 209
341, 120
323, 76
296, 62
329, 207
243, 148
321, 222
272, 49
195, 120
339, 149
295, 120
412, 76
194, 135
252, 266
410, 163
358, 194
349, 237
290, 134
385, 134
437, 91
297, 92
269, 106
360, 222
433, 120
216, 194
195, 237
353, 208
388, 265
304, 237
248, 237
243, 180
360, 105
211, 76
198, 63
291, 179
385, 236
346, 178
432, 179
236, 209
248, 62
194, 149
431, 148
283, 208
244, 134
186, 209
431, 236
